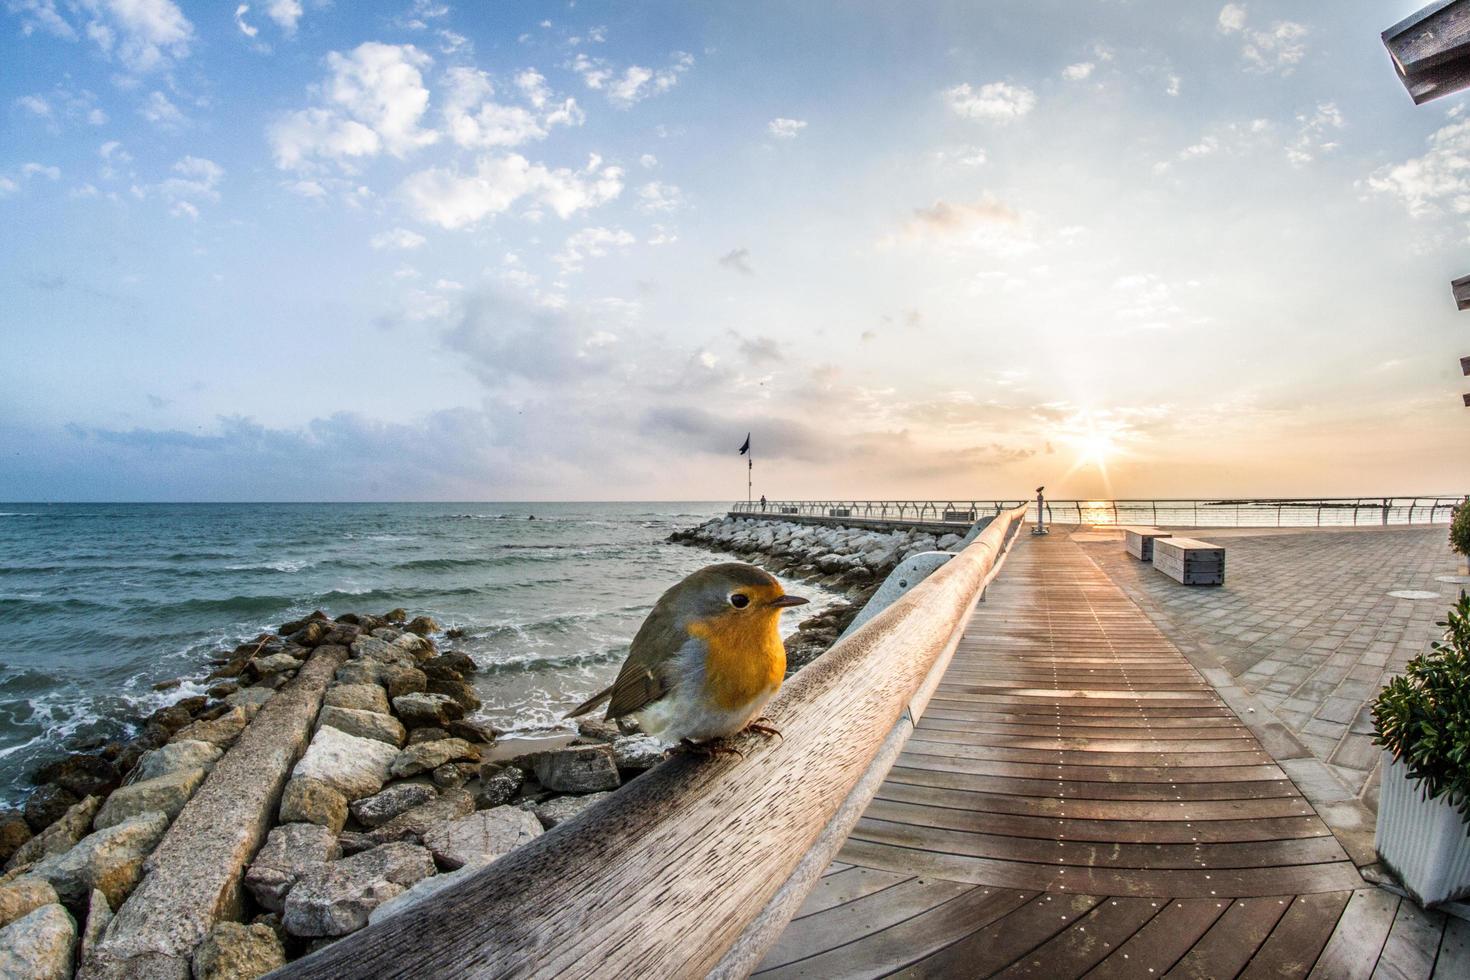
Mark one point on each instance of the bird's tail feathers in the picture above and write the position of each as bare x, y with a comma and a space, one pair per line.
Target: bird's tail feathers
593, 702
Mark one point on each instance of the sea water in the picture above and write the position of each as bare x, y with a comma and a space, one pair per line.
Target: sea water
99, 602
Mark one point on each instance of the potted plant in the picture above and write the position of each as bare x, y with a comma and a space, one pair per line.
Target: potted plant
1422, 719
1460, 533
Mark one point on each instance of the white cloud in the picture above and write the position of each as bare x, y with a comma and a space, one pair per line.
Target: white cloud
374, 100
1079, 71
591, 242
7, 186
657, 197
158, 110
144, 35
1171, 85
452, 199
474, 120
986, 225
1314, 134
996, 102
41, 15
1439, 179
636, 82
320, 133
285, 13
245, 28
30, 170
195, 181
35, 105
785, 129
1278, 49
648, 161
398, 238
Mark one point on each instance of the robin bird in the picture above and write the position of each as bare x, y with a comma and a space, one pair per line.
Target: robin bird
706, 660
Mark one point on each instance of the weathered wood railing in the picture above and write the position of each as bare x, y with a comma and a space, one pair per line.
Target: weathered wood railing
694, 868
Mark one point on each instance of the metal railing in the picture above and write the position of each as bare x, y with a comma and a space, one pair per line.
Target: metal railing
1233, 512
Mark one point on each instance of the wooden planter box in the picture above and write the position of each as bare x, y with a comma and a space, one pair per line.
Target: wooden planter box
1190, 562
1139, 541
1422, 841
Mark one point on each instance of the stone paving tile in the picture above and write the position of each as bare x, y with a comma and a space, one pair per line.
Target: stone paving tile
1305, 627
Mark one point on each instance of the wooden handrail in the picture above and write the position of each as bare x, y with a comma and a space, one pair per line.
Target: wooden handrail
666, 875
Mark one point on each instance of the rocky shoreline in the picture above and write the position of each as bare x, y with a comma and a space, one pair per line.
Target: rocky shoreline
854, 561
388, 799
332, 775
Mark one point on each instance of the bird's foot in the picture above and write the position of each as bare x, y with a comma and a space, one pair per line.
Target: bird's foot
763, 729
708, 749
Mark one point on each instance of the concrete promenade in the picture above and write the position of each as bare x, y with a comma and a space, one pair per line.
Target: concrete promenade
1300, 639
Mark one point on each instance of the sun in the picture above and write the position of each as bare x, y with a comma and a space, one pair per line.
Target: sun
1095, 448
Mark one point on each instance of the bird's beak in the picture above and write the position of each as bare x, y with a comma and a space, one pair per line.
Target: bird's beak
789, 600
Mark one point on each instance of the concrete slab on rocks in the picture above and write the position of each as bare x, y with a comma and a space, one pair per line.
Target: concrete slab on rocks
194, 877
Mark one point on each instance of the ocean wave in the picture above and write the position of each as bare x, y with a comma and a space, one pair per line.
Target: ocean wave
285, 565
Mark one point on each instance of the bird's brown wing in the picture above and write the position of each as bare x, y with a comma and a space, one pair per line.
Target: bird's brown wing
644, 677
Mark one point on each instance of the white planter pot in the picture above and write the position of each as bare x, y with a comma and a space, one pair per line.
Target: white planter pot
1424, 842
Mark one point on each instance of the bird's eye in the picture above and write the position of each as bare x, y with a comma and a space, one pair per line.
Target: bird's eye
739, 600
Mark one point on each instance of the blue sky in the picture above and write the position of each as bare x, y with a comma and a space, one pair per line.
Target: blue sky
303, 250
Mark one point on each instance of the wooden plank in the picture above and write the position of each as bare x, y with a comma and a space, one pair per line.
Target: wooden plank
841, 924
1454, 951
994, 947
1096, 774
1157, 946
1103, 854
1461, 289
1435, 35
1085, 942
1412, 945
1232, 940
846, 886
1033, 791
1352, 950
886, 950
1297, 941
1224, 882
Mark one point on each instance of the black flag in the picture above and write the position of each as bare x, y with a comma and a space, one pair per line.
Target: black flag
745, 446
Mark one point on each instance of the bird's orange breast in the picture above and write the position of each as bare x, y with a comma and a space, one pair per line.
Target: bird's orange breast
744, 660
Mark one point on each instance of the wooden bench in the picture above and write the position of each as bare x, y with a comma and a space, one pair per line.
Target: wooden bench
1140, 541
955, 516
1190, 562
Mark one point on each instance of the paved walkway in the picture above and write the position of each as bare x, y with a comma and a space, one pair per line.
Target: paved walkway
1078, 800
1301, 638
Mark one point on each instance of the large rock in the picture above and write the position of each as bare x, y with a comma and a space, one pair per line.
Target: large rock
195, 875
110, 860
422, 626
430, 755
222, 731
359, 697
47, 805
372, 648
427, 709
376, 810
250, 697
234, 951
335, 899
363, 724
450, 684
99, 916
275, 664
473, 731
481, 837
454, 660
420, 891
22, 896
637, 752
289, 851
14, 831
498, 785
38, 946
178, 757
560, 809
577, 769
400, 679
313, 801
354, 766
358, 672
412, 825
80, 775
61, 836
165, 794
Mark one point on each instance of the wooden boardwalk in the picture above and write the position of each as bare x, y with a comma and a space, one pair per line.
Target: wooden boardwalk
1077, 801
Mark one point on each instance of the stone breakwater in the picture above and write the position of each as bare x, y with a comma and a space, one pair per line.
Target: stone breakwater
331, 777
848, 559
